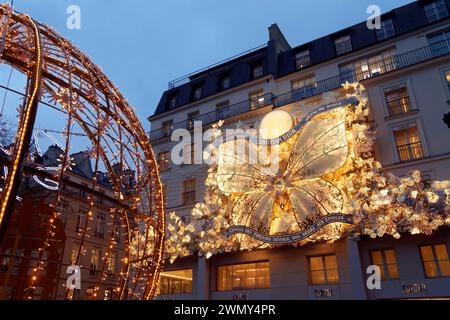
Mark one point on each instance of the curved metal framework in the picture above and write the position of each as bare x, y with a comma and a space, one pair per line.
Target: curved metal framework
63, 76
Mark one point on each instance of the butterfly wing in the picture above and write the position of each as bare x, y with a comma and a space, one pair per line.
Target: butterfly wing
315, 198
321, 147
254, 210
238, 168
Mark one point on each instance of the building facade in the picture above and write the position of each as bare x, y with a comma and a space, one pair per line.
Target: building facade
405, 67
20, 251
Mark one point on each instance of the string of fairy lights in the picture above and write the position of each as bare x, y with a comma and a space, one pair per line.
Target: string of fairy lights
61, 77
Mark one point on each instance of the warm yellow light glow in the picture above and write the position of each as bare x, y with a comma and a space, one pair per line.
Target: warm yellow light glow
275, 124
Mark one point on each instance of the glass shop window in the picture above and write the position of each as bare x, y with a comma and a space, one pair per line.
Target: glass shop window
176, 282
243, 276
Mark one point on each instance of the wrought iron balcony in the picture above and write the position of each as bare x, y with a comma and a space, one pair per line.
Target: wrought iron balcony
437, 13
214, 116
411, 151
374, 69
399, 106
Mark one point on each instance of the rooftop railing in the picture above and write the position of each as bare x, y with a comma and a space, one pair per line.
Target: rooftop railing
221, 113
374, 69
437, 13
185, 79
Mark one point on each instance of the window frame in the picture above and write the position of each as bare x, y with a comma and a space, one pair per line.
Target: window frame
192, 194
167, 128
191, 116
343, 45
398, 86
435, 260
226, 78
323, 257
435, 6
159, 158
257, 66
402, 127
302, 56
255, 97
383, 32
242, 264
385, 275
182, 286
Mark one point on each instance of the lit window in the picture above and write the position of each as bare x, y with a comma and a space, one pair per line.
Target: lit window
175, 282
167, 128
191, 118
408, 142
256, 99
90, 293
111, 265
99, 231
386, 260
108, 294
397, 100
302, 59
74, 254
243, 276
436, 10
343, 45
81, 220
435, 261
95, 261
222, 110
323, 270
117, 227
189, 191
369, 67
257, 71
386, 31
163, 160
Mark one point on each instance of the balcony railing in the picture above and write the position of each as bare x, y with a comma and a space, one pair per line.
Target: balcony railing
216, 115
375, 69
343, 47
386, 31
399, 106
410, 151
437, 13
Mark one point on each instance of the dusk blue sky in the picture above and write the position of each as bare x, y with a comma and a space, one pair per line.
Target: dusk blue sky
142, 45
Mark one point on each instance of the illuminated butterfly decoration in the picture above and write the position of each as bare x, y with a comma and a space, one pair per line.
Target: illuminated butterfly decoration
287, 200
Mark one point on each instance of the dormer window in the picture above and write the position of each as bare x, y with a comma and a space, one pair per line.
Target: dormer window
386, 31
172, 101
302, 59
257, 70
436, 11
343, 45
225, 82
198, 91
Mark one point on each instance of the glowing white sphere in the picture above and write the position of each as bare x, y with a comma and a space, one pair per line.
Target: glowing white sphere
275, 124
